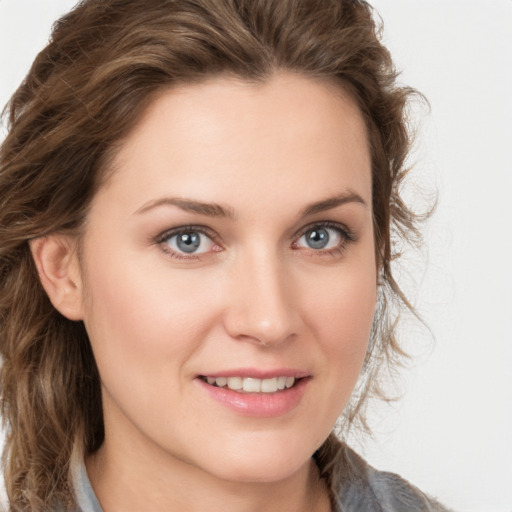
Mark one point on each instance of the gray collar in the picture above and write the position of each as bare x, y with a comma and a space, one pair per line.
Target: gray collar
85, 497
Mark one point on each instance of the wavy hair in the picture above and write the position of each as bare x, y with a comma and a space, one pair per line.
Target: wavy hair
105, 62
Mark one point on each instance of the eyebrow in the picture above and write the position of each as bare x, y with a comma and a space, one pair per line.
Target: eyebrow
331, 202
217, 210
190, 205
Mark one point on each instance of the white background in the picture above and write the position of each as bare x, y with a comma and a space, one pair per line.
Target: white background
451, 434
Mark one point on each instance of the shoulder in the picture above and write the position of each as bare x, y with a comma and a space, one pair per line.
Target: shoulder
362, 487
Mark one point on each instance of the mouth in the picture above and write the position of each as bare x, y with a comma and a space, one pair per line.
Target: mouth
253, 385
257, 393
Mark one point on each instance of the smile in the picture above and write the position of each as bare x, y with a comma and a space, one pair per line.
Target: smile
252, 385
263, 396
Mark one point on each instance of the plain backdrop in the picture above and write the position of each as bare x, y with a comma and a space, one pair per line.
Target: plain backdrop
451, 434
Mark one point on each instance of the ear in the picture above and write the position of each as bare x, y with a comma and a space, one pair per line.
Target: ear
56, 260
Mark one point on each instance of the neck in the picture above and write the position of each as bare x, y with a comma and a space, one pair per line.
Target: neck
129, 483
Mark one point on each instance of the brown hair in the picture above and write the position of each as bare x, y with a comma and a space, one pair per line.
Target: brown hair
105, 62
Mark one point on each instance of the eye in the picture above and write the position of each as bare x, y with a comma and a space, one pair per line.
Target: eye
323, 237
186, 242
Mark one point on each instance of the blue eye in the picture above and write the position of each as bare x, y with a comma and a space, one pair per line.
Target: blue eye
187, 242
322, 237
190, 242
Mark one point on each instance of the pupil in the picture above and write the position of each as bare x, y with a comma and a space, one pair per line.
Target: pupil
318, 238
188, 242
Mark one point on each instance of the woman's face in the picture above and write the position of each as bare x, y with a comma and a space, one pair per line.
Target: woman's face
232, 247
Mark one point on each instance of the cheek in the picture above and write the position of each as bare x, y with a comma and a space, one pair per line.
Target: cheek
344, 307
142, 318
144, 327
342, 318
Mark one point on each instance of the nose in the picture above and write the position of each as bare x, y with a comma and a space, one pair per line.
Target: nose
261, 306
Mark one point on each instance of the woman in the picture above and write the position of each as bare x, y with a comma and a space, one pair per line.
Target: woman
198, 204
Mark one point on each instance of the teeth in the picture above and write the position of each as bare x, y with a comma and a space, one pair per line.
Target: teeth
221, 381
250, 385
235, 383
269, 385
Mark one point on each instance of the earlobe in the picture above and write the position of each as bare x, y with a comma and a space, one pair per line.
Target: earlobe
57, 265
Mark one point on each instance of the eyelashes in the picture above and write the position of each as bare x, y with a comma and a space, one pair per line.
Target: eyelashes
324, 237
194, 242
188, 242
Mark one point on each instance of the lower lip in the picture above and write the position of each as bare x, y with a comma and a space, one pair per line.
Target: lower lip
262, 405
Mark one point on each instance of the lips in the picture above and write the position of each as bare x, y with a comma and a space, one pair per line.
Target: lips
256, 393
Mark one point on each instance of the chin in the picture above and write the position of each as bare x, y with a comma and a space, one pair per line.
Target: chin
262, 462
271, 471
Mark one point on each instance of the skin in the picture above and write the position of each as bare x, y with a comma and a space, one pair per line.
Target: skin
256, 294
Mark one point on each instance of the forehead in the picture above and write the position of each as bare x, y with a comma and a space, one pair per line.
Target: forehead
227, 135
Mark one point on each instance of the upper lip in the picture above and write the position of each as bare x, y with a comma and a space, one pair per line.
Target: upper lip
256, 373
